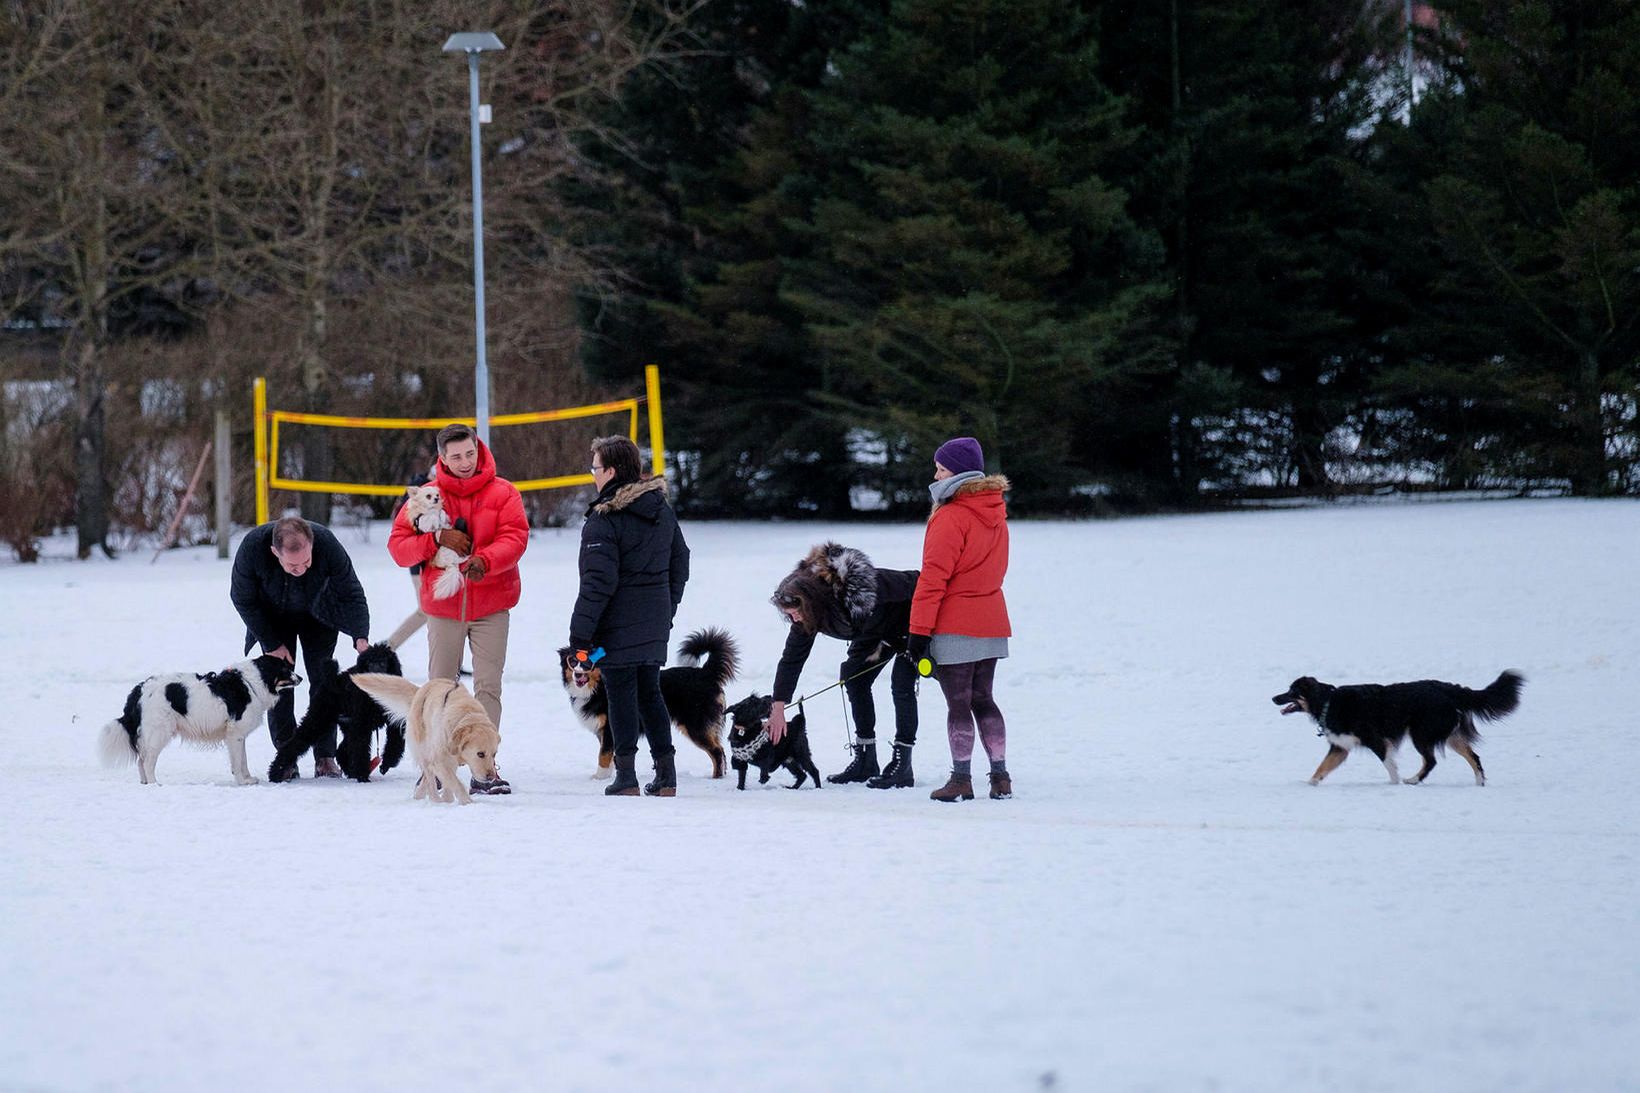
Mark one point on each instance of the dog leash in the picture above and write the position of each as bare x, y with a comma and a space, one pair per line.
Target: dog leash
848, 733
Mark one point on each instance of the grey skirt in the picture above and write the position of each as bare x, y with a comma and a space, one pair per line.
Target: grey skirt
962, 649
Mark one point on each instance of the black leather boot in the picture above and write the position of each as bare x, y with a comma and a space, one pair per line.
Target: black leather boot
626, 778
861, 767
897, 775
666, 778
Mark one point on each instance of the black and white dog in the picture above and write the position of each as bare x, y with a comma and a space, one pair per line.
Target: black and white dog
335, 703
750, 746
202, 709
1378, 716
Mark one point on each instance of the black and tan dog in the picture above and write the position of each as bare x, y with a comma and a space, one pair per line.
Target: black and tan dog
1379, 716
693, 695
750, 746
335, 703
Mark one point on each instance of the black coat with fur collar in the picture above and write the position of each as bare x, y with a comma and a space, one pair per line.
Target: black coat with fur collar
634, 564
875, 614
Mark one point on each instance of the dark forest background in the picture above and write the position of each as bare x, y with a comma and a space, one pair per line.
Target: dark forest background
1153, 254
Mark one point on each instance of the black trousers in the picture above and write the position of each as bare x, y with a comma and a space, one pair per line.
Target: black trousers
902, 684
318, 644
634, 693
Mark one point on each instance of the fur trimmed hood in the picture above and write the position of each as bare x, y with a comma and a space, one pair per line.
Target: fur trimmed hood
625, 496
991, 483
850, 574
835, 585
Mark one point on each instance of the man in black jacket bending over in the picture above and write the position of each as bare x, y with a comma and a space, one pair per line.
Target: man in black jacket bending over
293, 582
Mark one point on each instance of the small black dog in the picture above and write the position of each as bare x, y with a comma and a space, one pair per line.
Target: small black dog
1379, 716
750, 746
335, 703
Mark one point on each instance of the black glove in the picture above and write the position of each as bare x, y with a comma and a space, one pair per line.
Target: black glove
916, 647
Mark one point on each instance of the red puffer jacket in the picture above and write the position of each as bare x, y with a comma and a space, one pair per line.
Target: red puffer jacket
495, 519
965, 557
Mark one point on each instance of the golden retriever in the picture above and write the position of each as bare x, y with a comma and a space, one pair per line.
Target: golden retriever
448, 729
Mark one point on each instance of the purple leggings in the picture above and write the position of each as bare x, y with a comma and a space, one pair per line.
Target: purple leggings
968, 700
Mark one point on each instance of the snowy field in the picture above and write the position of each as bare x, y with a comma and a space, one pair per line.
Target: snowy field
1165, 905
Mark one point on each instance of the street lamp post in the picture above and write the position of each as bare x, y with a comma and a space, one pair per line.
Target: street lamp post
472, 44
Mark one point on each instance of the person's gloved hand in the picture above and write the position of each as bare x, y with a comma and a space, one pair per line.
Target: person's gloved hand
474, 568
458, 541
916, 647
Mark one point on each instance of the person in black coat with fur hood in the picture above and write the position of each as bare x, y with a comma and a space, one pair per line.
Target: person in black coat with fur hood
836, 591
293, 583
634, 564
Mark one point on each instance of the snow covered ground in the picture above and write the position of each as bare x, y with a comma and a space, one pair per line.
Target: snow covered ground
1165, 905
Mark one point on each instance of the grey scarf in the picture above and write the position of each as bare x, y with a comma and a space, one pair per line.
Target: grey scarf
946, 488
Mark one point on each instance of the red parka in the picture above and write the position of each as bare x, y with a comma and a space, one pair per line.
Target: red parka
495, 519
965, 557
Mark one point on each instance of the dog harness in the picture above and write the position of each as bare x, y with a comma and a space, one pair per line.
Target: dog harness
745, 752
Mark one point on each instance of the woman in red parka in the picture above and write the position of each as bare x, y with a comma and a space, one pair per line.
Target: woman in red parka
959, 619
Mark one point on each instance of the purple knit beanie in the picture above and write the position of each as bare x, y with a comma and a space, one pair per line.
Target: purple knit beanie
960, 454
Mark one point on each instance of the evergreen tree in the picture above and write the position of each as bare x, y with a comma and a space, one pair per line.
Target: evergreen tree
1255, 170
704, 148
1535, 207
968, 267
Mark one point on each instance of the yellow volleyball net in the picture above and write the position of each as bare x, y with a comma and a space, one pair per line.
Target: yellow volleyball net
268, 422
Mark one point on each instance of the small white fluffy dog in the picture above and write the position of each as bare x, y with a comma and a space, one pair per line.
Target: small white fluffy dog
447, 729
201, 709
424, 510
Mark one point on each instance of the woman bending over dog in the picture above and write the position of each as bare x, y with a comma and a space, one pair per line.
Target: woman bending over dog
959, 620
836, 591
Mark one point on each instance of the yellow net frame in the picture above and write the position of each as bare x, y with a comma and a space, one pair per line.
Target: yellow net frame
268, 422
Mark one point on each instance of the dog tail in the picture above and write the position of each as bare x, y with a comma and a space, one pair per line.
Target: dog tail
117, 743
1500, 698
392, 693
116, 746
723, 655
448, 583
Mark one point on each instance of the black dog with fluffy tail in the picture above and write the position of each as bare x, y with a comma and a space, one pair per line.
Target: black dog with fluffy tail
1378, 716
335, 703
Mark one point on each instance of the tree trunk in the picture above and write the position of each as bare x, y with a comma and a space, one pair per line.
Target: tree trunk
1588, 472
86, 356
318, 463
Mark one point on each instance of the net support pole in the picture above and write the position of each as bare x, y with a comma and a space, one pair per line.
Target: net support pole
259, 401
657, 441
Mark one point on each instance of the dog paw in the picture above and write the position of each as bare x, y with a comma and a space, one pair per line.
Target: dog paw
250, 780
1410, 782
603, 774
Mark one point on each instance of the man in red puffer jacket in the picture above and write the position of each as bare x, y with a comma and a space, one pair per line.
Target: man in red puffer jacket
497, 531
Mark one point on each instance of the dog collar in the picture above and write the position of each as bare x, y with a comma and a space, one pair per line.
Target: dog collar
745, 752
1322, 719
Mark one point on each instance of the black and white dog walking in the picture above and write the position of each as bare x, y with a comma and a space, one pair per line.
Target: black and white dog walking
202, 709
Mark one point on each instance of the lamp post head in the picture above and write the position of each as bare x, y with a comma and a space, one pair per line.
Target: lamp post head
473, 42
